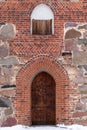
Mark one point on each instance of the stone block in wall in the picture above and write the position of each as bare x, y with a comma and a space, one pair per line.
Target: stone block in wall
83, 89
8, 111
85, 35
0, 70
85, 79
0, 122
2, 0
8, 93
72, 33
10, 121
2, 80
82, 26
8, 31
71, 44
7, 70
83, 47
81, 121
79, 57
7, 73
72, 73
83, 44
4, 102
70, 24
2, 23
11, 60
80, 106
82, 41
84, 99
6, 80
4, 50
79, 79
82, 74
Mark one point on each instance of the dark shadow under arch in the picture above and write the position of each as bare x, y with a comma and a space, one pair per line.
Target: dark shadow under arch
43, 99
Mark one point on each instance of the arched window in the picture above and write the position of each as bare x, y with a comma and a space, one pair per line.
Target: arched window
42, 20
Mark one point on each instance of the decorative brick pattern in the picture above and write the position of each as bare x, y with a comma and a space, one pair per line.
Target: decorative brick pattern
25, 55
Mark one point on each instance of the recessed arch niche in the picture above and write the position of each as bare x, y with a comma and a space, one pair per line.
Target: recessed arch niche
42, 13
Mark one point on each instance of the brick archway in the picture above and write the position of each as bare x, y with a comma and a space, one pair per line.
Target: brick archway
24, 81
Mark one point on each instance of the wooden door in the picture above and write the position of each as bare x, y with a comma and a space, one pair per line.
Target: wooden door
43, 100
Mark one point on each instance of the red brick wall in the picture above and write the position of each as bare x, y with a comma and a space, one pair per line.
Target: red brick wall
41, 53
18, 14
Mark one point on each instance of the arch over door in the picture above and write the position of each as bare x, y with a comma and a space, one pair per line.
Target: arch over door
43, 99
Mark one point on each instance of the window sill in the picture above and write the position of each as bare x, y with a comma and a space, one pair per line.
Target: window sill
42, 36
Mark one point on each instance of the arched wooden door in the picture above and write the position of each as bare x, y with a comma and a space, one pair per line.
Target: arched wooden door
43, 100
